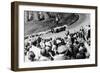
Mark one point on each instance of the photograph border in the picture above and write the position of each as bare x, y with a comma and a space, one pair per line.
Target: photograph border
15, 34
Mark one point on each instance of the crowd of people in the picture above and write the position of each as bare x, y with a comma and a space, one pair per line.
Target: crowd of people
74, 45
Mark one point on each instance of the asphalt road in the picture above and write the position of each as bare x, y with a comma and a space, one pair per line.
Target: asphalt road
32, 27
